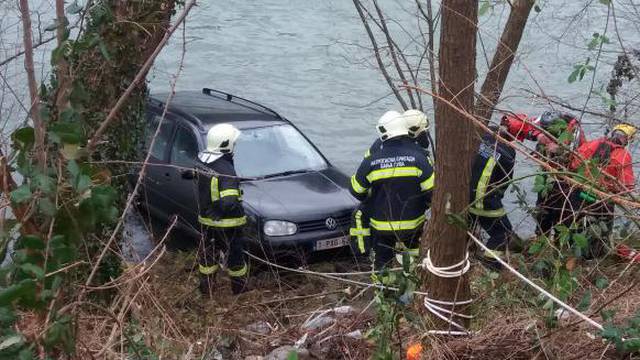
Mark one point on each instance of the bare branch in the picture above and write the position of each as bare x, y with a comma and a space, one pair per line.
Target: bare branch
376, 51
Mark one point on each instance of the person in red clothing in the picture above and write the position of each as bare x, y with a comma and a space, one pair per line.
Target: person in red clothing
607, 164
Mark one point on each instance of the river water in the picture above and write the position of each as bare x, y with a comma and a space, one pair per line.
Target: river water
311, 61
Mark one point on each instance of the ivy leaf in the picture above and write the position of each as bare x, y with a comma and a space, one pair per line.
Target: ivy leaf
21, 194
535, 247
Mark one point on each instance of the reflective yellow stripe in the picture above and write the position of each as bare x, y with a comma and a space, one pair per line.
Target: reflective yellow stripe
405, 171
367, 154
228, 222
483, 182
488, 213
397, 225
359, 232
356, 186
413, 252
428, 184
207, 270
215, 191
229, 192
487, 254
240, 272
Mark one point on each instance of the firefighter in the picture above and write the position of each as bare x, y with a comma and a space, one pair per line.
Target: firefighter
417, 127
221, 213
397, 182
614, 174
491, 173
558, 135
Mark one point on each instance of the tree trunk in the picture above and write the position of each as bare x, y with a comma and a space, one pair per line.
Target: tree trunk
448, 242
503, 58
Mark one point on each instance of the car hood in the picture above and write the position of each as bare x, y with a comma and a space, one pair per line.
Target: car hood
299, 197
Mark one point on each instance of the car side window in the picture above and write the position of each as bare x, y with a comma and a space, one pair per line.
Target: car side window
185, 148
161, 143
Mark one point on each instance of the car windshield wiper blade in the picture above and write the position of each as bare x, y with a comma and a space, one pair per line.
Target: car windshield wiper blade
285, 173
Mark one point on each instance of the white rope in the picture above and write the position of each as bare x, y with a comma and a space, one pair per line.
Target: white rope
447, 271
535, 286
433, 305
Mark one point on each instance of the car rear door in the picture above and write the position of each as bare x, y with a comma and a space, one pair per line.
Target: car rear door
154, 194
183, 160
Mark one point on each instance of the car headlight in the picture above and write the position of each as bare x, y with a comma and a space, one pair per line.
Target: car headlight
279, 228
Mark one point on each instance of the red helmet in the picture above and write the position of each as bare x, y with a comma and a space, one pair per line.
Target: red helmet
516, 125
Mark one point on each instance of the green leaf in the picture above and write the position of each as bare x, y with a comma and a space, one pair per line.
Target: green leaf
536, 247
37, 271
16, 291
74, 8
103, 50
11, 340
602, 282
611, 333
7, 316
574, 76
581, 241
584, 303
24, 137
293, 355
31, 242
66, 133
21, 194
44, 183
46, 206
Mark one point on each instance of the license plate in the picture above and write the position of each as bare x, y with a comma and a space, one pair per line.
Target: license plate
332, 243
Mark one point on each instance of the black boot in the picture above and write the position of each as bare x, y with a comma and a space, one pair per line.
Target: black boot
207, 285
239, 285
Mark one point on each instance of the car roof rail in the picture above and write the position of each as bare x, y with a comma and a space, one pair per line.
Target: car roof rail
241, 101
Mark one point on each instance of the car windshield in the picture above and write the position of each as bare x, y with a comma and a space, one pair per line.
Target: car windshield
274, 150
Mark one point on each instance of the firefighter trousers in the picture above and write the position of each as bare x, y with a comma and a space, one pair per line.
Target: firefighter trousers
385, 244
222, 240
499, 230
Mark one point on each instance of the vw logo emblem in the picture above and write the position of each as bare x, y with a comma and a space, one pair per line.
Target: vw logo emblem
331, 223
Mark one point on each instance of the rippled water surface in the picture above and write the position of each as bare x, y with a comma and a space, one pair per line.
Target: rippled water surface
310, 61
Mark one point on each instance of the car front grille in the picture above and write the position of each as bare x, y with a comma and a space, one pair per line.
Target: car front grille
316, 225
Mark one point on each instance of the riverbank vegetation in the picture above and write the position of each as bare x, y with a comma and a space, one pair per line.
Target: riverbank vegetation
68, 290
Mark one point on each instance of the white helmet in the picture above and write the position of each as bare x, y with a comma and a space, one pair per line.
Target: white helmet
391, 125
417, 122
221, 140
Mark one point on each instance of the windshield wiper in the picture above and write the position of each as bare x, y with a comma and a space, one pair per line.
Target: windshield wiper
285, 173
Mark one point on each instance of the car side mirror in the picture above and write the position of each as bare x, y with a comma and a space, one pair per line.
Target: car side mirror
188, 174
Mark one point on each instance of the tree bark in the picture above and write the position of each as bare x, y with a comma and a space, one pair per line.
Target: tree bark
34, 109
503, 58
457, 72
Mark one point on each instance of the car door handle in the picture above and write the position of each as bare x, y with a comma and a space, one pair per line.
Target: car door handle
167, 174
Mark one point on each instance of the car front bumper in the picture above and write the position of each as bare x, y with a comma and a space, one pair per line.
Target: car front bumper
303, 241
